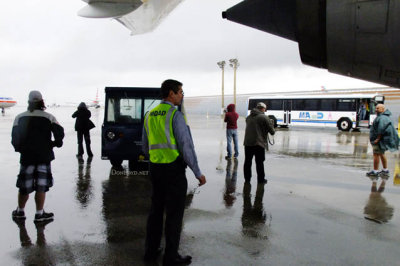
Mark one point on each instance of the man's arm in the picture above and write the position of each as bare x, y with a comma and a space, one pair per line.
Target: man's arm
145, 141
185, 144
58, 133
269, 126
15, 136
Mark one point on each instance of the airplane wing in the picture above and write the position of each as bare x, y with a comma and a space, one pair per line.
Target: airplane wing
139, 16
352, 38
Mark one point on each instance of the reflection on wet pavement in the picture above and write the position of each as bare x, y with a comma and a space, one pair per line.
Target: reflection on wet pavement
126, 202
230, 182
83, 186
377, 209
346, 148
39, 254
317, 193
254, 217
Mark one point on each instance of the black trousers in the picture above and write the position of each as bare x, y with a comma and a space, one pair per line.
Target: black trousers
169, 195
259, 153
86, 135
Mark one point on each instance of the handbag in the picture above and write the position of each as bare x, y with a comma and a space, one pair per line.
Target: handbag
90, 125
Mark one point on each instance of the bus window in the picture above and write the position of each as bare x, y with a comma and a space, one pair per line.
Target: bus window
346, 105
274, 104
298, 104
328, 104
311, 104
253, 103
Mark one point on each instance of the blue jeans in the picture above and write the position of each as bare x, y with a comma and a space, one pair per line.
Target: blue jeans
232, 133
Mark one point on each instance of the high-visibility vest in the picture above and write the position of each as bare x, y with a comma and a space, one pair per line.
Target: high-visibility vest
160, 134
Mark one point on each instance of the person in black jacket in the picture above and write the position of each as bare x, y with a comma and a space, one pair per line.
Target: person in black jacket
82, 127
32, 137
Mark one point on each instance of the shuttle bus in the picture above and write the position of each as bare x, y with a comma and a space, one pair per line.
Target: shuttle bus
344, 111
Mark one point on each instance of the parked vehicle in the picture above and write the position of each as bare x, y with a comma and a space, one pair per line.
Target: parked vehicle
344, 111
125, 108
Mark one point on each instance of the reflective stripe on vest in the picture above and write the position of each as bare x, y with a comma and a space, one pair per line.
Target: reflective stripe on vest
162, 143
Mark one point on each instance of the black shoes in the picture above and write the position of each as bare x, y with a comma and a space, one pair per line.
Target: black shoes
18, 215
263, 181
178, 260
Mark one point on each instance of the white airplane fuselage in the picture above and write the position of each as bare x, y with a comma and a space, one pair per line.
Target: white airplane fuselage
7, 102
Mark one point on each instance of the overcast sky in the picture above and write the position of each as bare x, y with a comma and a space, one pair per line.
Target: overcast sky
46, 46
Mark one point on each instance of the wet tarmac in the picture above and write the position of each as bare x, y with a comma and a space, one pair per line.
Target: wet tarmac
312, 211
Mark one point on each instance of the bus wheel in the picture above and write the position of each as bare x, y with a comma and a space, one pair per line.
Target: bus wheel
344, 124
116, 163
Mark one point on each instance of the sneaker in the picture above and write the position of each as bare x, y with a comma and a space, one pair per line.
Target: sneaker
18, 215
384, 173
44, 217
228, 157
372, 173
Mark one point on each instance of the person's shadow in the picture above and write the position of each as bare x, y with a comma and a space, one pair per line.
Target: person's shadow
230, 183
83, 182
254, 217
377, 209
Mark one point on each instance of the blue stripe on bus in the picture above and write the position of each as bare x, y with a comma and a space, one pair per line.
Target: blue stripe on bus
311, 121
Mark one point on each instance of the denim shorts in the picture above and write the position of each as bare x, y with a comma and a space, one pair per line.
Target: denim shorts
34, 178
376, 149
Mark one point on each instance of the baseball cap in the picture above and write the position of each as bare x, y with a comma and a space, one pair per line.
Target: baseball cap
35, 96
261, 105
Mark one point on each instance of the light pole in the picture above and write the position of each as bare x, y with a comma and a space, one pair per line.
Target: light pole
235, 64
221, 64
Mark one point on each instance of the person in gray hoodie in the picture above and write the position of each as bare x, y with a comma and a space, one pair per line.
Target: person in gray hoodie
258, 125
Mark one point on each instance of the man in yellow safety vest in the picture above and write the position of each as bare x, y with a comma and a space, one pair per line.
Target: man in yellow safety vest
167, 140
